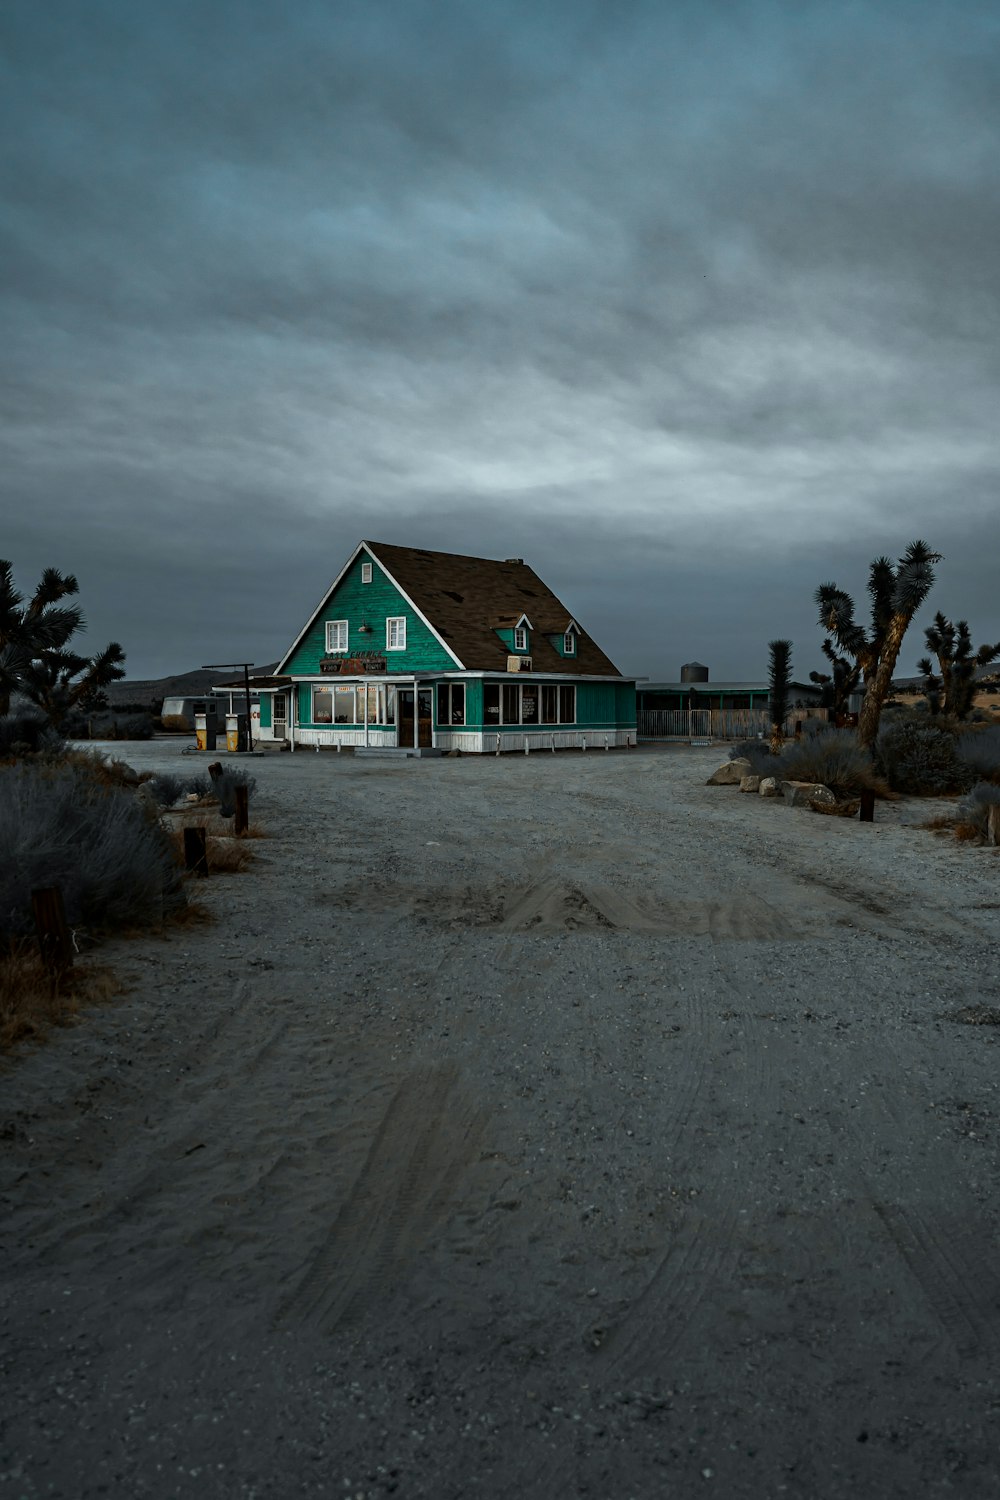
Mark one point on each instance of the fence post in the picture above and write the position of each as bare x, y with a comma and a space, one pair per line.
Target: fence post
55, 943
241, 822
993, 826
867, 813
195, 850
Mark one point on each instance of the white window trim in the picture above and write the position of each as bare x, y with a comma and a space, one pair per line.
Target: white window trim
569, 643
339, 626
520, 638
321, 687
366, 572
399, 620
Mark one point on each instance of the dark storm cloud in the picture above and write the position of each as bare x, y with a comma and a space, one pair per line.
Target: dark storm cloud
693, 306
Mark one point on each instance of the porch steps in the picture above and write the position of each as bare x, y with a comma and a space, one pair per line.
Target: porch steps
380, 752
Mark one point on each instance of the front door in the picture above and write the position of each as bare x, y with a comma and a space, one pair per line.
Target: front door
404, 708
279, 716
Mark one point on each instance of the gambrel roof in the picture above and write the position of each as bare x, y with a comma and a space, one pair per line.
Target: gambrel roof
464, 598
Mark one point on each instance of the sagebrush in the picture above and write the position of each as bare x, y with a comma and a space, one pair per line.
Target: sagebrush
836, 760
921, 759
62, 825
763, 761
974, 809
979, 750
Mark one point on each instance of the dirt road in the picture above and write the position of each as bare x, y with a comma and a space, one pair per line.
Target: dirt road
543, 1126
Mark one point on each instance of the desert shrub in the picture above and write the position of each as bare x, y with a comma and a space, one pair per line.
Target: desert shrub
921, 759
169, 788
175, 723
835, 759
763, 761
973, 810
32, 999
26, 734
980, 751
63, 825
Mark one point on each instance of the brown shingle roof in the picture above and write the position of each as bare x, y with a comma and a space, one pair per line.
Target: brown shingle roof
462, 597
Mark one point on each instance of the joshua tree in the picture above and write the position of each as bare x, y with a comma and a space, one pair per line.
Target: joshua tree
26, 631
33, 655
838, 685
897, 592
779, 676
954, 690
60, 682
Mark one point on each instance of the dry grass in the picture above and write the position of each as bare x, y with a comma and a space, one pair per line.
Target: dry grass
945, 823
227, 854
33, 1000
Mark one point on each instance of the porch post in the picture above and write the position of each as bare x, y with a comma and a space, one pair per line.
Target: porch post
365, 685
416, 716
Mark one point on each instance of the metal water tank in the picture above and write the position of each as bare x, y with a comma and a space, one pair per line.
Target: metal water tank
693, 671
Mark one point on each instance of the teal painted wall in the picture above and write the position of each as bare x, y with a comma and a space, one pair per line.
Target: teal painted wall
265, 710
599, 705
373, 602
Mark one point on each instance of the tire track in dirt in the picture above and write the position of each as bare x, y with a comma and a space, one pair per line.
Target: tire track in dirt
423, 1143
705, 1248
948, 1250
145, 1166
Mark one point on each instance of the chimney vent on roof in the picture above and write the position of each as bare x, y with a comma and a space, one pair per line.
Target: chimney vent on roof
515, 560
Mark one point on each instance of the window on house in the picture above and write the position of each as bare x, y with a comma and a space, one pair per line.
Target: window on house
550, 704
395, 633
511, 703
366, 572
491, 704
345, 705
336, 635
569, 643
451, 703
529, 703
567, 705
520, 638
322, 705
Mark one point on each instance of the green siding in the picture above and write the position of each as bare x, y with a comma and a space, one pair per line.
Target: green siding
373, 603
265, 710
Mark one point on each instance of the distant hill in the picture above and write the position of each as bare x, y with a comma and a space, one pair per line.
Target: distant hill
184, 685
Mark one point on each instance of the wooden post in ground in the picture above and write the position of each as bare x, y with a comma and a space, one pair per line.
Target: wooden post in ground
867, 813
195, 850
241, 821
993, 827
55, 943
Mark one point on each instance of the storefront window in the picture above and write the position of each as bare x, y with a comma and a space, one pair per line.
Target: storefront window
451, 703
322, 705
491, 704
550, 704
567, 705
344, 705
511, 703
529, 703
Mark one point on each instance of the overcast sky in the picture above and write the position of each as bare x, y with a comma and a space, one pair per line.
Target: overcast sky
692, 306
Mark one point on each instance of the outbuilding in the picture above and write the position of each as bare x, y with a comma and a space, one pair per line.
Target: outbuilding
433, 651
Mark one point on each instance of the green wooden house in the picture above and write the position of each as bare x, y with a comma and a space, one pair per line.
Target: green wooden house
432, 651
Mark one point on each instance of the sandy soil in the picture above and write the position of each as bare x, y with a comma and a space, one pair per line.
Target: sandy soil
542, 1126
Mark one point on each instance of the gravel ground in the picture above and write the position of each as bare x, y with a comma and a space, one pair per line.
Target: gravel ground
537, 1126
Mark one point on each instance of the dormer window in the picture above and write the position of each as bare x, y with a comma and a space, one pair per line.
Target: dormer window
569, 643
520, 638
366, 572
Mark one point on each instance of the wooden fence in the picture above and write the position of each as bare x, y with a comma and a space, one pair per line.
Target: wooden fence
714, 724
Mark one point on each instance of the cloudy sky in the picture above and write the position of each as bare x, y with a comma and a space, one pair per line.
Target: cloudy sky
693, 306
